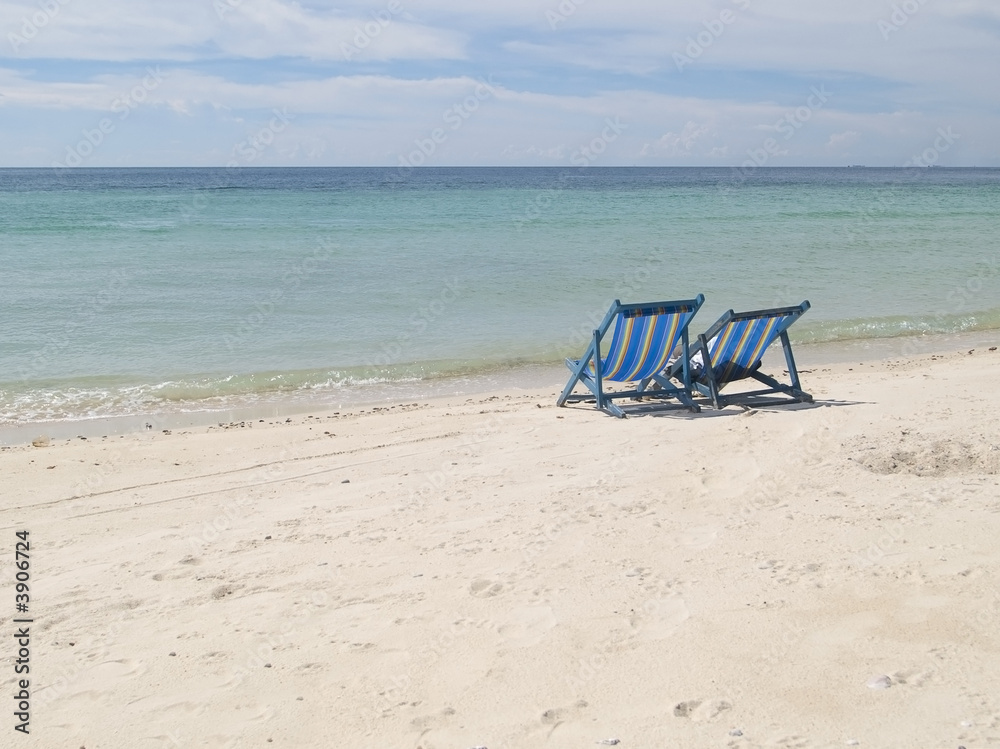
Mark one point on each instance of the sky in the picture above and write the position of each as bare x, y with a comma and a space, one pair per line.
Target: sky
99, 83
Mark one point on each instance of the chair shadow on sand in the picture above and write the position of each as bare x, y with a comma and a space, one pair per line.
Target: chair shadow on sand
656, 410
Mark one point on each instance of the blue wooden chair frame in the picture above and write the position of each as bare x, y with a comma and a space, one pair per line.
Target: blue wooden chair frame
644, 336
731, 350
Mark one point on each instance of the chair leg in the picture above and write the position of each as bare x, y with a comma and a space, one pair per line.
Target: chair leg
577, 370
610, 407
598, 374
793, 371
718, 401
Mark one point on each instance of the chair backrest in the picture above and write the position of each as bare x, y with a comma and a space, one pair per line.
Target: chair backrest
737, 341
645, 335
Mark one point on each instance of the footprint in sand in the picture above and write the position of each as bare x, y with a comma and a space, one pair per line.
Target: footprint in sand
557, 715
255, 712
165, 741
569, 725
698, 538
224, 591
701, 711
527, 626
434, 721
483, 588
794, 742
659, 618
118, 669
914, 677
222, 741
127, 604
89, 701
179, 711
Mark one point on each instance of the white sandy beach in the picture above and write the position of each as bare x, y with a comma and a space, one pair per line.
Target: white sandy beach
496, 572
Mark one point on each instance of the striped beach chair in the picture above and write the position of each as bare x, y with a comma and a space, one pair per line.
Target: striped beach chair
732, 349
644, 336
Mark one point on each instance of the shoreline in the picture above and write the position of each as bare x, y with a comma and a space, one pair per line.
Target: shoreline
530, 376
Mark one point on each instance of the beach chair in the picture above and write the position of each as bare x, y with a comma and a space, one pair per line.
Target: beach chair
731, 350
644, 336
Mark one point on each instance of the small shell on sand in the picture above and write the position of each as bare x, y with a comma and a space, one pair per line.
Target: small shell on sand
879, 682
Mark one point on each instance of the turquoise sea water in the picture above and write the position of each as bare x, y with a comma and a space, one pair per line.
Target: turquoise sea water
139, 291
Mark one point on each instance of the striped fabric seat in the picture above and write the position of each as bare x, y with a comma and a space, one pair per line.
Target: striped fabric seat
734, 347
736, 352
644, 337
642, 342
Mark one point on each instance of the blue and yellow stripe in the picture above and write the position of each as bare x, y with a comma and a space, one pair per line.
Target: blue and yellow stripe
643, 341
735, 351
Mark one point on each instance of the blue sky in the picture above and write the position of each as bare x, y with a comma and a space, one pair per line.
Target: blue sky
508, 82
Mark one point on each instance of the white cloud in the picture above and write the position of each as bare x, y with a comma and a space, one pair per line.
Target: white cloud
269, 28
186, 30
367, 79
376, 119
675, 144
